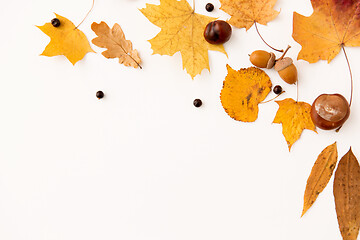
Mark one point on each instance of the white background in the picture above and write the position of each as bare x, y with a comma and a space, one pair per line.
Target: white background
143, 163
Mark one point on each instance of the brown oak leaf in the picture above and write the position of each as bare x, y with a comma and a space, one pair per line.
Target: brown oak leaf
242, 91
332, 25
295, 117
347, 196
114, 40
244, 13
320, 175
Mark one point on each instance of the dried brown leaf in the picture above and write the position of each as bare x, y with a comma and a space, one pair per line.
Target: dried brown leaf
347, 196
320, 175
118, 47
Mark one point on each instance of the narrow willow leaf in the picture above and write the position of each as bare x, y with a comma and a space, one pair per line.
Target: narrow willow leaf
347, 196
320, 175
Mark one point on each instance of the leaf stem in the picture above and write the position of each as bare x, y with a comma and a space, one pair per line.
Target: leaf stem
351, 77
297, 91
273, 98
283, 55
92, 6
257, 30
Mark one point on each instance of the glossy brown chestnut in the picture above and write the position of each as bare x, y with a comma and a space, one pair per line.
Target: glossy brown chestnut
217, 32
330, 111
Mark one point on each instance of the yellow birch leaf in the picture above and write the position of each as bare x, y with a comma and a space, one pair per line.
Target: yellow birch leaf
65, 40
242, 91
181, 31
320, 175
118, 47
347, 196
244, 13
294, 117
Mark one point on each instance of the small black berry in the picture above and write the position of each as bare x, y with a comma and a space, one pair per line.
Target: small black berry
55, 22
99, 94
277, 89
197, 103
209, 7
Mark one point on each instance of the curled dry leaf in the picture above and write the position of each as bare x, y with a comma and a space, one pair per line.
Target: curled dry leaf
347, 196
333, 24
242, 91
181, 31
65, 40
320, 175
294, 117
245, 12
114, 40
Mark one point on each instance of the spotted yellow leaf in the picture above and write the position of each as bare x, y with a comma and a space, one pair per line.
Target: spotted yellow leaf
242, 91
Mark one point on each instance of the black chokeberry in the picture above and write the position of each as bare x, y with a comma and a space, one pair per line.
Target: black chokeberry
277, 89
197, 103
209, 7
55, 22
99, 94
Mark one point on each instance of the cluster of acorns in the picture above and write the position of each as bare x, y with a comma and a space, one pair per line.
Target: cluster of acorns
328, 111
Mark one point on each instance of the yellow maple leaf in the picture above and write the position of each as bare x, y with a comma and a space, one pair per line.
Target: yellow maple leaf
332, 25
181, 30
294, 117
114, 40
65, 40
244, 13
242, 91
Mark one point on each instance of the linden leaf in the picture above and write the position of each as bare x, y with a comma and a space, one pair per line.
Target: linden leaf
320, 175
295, 117
242, 91
244, 13
65, 40
181, 30
347, 196
332, 25
114, 40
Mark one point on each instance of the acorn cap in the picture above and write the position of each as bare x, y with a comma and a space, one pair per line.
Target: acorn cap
271, 61
283, 63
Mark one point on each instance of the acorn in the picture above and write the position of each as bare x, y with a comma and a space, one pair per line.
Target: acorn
262, 59
287, 70
330, 111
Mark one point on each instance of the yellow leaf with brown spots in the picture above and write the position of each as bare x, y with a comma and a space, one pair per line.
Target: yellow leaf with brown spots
244, 13
65, 40
242, 91
320, 175
294, 117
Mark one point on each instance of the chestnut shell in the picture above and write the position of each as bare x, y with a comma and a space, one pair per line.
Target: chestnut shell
330, 111
217, 32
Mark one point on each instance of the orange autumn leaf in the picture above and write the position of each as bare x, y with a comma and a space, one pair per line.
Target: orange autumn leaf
244, 13
114, 40
242, 91
333, 24
65, 40
320, 175
294, 117
347, 196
